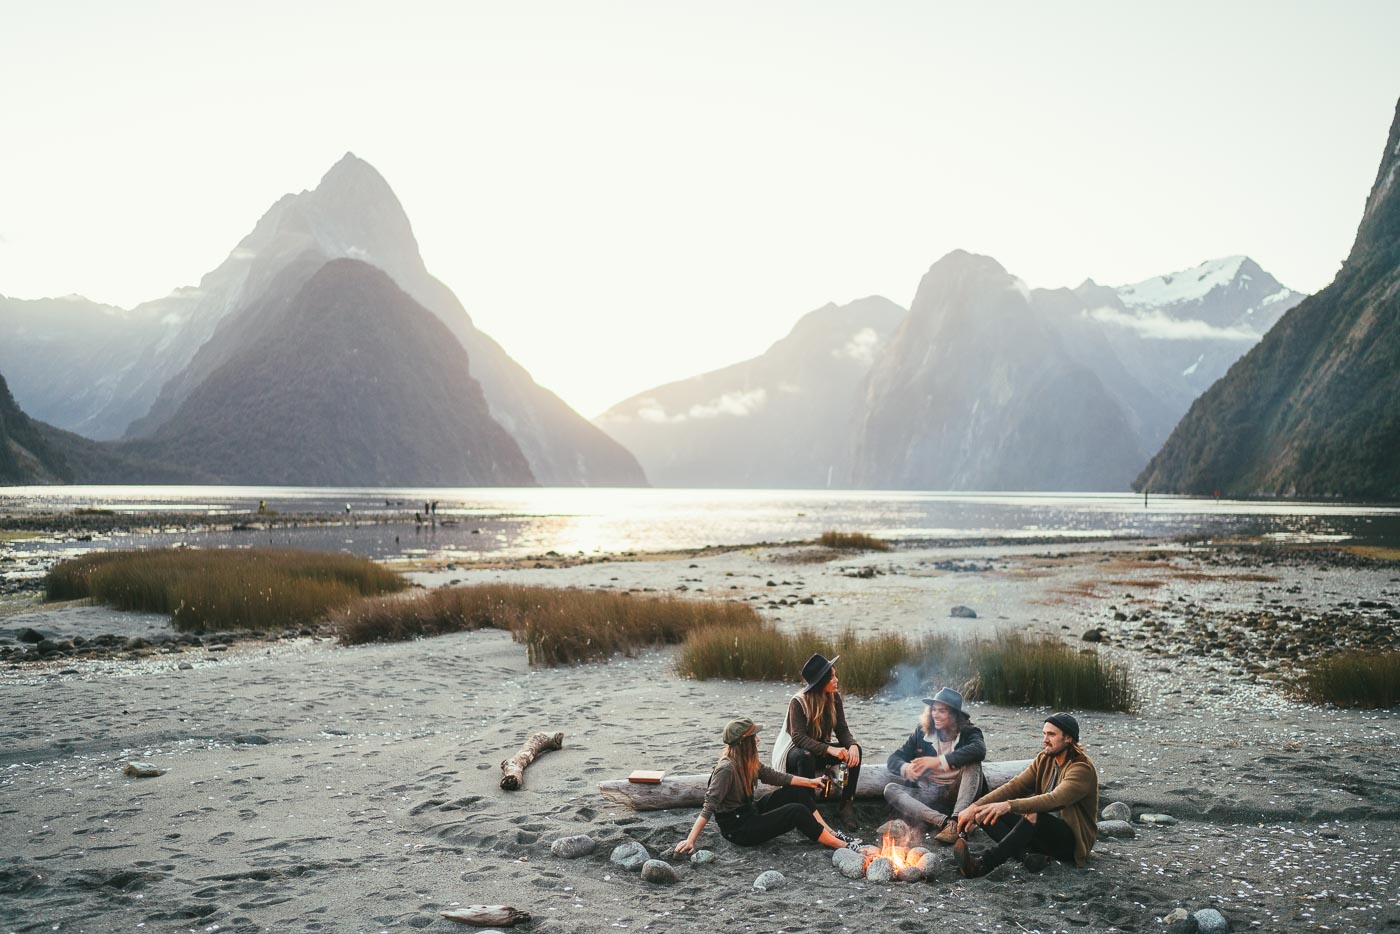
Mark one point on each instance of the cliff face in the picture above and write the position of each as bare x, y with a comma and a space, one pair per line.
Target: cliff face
1314, 409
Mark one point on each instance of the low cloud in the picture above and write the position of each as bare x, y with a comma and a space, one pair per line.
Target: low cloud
737, 404
1158, 326
861, 347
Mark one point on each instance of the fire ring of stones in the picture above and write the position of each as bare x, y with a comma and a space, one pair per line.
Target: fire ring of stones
898, 858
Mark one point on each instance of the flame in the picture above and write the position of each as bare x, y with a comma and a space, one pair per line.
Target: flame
898, 855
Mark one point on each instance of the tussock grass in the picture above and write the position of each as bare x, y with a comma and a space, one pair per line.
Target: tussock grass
1374, 552
851, 541
1013, 669
208, 588
1358, 678
558, 626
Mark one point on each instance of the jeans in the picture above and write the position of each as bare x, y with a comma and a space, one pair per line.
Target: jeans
929, 802
769, 817
1051, 836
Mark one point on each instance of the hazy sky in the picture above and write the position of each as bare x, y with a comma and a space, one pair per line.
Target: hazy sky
628, 193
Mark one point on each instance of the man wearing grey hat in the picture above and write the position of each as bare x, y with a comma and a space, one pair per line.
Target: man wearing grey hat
1049, 810
939, 765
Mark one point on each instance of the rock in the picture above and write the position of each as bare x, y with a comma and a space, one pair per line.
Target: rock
572, 847
1092, 635
1116, 828
185, 666
1210, 921
1176, 914
661, 873
136, 642
930, 864
849, 863
766, 881
1162, 819
32, 636
702, 857
880, 870
910, 873
1180, 921
251, 739
916, 853
141, 770
630, 856
963, 612
1117, 811
897, 829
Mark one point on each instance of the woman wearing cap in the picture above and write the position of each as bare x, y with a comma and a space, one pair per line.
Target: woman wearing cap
940, 766
729, 798
815, 734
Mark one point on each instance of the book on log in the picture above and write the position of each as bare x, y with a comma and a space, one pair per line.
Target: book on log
646, 777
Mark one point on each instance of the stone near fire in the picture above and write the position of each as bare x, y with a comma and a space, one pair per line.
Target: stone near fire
880, 870
772, 879
929, 865
1116, 828
849, 863
1118, 811
909, 873
897, 829
916, 853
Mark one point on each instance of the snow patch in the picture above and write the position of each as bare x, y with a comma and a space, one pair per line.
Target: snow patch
1382, 189
1192, 368
1187, 286
1159, 326
1277, 297
860, 348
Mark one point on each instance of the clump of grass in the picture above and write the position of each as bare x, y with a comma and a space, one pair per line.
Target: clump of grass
851, 541
1040, 671
207, 588
1359, 678
557, 625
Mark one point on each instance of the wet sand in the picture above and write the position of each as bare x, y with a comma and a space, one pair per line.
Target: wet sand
373, 802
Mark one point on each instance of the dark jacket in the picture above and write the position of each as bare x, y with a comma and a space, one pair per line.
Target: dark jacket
800, 731
969, 748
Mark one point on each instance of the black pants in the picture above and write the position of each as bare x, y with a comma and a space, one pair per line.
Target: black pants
807, 764
1051, 836
770, 817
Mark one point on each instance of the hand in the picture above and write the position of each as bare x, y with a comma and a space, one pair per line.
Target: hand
853, 756
923, 764
836, 752
800, 782
968, 817
988, 813
684, 847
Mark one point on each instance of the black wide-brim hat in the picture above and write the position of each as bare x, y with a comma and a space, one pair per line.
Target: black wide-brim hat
816, 671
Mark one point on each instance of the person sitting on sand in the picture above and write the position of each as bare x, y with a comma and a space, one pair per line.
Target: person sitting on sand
729, 798
940, 766
815, 717
1056, 798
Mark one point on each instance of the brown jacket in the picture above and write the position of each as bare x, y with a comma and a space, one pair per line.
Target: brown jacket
1076, 797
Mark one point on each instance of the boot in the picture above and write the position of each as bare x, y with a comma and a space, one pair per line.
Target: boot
949, 833
1013, 844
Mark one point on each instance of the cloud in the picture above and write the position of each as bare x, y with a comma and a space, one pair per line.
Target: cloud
1156, 325
861, 346
737, 404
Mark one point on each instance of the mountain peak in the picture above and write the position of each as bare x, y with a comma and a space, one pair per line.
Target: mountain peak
351, 174
1385, 193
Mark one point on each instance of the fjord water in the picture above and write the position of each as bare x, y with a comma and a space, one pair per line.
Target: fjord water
505, 523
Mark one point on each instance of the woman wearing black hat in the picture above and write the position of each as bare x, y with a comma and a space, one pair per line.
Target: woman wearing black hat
939, 766
729, 798
815, 734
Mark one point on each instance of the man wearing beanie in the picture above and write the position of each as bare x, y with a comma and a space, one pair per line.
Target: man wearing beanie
1050, 809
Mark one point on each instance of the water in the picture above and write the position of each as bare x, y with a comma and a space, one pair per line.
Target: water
475, 523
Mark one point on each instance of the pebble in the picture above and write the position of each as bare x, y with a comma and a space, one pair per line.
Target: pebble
572, 847
772, 879
251, 739
185, 666
701, 857
630, 856
963, 612
141, 770
880, 870
661, 873
1162, 819
1118, 811
1210, 921
1116, 828
849, 863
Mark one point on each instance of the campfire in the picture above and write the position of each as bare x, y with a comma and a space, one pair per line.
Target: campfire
898, 858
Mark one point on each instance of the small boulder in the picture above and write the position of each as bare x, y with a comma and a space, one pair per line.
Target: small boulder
32, 636
766, 881
849, 863
897, 829
1092, 635
1118, 811
572, 847
916, 853
1210, 921
629, 856
929, 865
701, 857
1116, 828
141, 770
963, 612
251, 739
1180, 921
880, 870
136, 642
185, 666
659, 872
1160, 819
909, 873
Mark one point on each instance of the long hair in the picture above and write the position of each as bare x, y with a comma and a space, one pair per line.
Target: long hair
744, 755
820, 707
961, 721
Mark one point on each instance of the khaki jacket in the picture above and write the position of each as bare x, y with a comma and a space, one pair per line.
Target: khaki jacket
1076, 797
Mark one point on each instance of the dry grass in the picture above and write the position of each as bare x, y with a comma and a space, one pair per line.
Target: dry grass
210, 588
1020, 669
1353, 679
557, 625
851, 541
1145, 583
1374, 552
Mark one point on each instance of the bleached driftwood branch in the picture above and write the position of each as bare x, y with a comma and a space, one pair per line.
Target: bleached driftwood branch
513, 769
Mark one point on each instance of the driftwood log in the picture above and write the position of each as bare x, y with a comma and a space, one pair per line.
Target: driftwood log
488, 916
513, 769
688, 791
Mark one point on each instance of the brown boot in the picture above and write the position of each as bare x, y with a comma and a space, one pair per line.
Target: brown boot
949, 833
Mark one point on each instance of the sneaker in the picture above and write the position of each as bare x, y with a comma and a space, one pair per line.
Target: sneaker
850, 841
949, 834
852, 844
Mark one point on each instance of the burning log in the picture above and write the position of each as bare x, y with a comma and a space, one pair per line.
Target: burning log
513, 769
688, 791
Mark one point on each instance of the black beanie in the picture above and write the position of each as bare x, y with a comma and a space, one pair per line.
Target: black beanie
1066, 724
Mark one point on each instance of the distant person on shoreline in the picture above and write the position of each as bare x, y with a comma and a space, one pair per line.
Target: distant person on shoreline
815, 735
744, 821
1051, 809
940, 766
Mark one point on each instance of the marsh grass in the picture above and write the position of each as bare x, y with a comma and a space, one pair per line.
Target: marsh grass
206, 588
1359, 678
851, 541
558, 626
1020, 669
